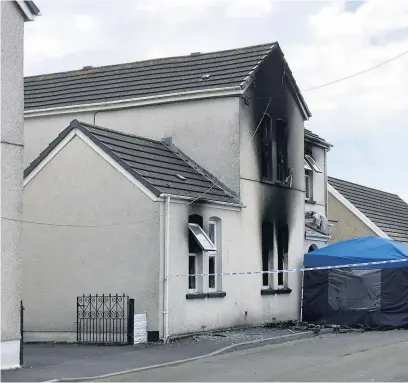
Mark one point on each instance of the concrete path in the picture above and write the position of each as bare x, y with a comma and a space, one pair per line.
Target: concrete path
351, 357
60, 361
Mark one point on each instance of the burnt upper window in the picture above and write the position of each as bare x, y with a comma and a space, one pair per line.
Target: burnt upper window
274, 149
281, 150
266, 149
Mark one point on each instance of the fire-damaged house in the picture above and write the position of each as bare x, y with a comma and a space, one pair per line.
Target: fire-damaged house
172, 174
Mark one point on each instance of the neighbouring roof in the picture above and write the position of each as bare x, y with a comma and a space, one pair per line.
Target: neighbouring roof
29, 9
314, 138
199, 72
155, 164
387, 211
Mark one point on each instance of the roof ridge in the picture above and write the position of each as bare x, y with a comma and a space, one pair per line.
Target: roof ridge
367, 187
152, 60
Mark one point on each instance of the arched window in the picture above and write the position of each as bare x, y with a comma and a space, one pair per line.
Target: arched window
214, 257
312, 248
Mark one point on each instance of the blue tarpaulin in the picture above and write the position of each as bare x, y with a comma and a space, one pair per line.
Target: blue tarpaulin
360, 250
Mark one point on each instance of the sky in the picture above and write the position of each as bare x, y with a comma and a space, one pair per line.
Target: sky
365, 118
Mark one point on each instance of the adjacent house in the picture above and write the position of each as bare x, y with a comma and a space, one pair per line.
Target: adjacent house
362, 211
13, 14
315, 164
109, 200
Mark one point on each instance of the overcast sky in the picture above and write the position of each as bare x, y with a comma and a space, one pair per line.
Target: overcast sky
365, 118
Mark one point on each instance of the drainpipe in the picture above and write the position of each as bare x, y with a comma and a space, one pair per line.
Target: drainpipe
166, 270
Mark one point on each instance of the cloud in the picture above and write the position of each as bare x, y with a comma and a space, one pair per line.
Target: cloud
365, 117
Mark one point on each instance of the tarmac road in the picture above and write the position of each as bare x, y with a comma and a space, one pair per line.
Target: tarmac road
370, 356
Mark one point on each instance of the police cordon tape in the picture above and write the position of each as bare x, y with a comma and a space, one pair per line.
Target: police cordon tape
303, 269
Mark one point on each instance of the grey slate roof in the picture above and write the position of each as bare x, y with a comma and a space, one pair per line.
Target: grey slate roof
32, 7
155, 164
313, 137
232, 69
387, 211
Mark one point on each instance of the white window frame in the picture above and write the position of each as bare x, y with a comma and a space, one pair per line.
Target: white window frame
309, 186
195, 289
194, 228
212, 254
307, 166
313, 163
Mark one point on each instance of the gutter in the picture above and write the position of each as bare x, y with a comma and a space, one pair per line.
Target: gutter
138, 101
183, 198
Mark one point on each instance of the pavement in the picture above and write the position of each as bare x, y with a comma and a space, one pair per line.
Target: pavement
44, 362
351, 357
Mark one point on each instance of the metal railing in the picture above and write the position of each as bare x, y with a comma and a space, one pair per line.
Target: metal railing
105, 319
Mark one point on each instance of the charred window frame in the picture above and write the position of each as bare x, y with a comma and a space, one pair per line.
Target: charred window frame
281, 150
267, 147
267, 253
283, 246
274, 149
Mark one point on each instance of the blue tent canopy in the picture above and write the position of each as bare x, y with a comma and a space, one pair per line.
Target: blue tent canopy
360, 250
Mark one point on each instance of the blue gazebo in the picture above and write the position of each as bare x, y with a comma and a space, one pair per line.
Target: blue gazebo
368, 295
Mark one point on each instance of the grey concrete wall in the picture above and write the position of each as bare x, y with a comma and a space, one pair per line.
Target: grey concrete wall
78, 187
12, 35
206, 130
348, 225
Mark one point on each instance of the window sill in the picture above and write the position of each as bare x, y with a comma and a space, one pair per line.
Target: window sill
196, 296
285, 290
216, 294
213, 294
278, 184
310, 201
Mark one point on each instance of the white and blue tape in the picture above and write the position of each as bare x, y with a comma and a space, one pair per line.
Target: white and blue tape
295, 270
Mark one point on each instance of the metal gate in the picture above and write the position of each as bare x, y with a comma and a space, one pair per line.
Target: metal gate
105, 319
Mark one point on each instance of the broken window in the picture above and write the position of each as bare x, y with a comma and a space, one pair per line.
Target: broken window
283, 244
274, 149
281, 151
267, 251
266, 149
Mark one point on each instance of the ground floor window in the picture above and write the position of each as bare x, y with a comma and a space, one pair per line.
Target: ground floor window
267, 253
192, 271
212, 260
283, 242
211, 272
